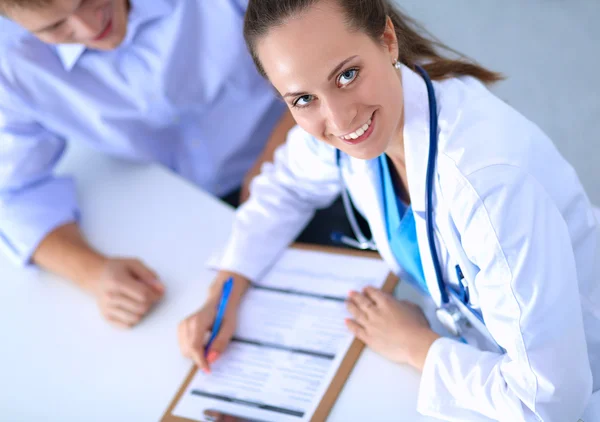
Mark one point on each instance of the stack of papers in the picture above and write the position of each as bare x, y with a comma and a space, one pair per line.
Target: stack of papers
290, 340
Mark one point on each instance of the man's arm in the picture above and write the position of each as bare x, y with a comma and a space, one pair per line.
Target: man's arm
278, 137
38, 212
125, 289
65, 252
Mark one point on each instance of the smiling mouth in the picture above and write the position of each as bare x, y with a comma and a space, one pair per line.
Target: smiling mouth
360, 134
105, 31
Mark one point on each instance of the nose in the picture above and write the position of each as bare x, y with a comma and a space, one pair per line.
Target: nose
340, 114
88, 22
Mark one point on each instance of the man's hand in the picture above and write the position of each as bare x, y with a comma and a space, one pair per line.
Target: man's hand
125, 291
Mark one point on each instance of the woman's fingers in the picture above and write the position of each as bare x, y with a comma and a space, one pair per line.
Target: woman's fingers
182, 336
376, 296
364, 303
357, 313
356, 329
197, 327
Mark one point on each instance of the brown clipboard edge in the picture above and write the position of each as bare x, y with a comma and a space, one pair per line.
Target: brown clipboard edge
346, 367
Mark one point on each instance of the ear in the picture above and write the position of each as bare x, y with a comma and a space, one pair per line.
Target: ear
389, 39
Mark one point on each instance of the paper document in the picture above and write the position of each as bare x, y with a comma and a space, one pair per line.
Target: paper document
289, 343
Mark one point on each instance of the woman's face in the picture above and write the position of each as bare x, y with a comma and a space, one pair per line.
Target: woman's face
340, 85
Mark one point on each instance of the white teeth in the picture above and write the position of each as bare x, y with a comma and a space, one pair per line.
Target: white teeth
360, 132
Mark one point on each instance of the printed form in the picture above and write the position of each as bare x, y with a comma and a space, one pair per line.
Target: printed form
290, 340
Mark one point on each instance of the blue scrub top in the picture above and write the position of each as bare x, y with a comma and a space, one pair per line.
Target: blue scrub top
401, 230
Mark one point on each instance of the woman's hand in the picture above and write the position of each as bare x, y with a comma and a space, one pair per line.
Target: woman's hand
397, 330
195, 330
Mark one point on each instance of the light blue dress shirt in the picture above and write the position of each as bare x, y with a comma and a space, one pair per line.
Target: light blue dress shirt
401, 230
181, 91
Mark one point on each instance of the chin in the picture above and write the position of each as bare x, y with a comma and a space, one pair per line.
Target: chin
360, 153
367, 150
111, 43
369, 155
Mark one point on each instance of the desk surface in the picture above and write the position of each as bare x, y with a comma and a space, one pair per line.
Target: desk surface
59, 361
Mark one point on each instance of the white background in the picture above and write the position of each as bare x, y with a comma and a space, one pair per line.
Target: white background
550, 52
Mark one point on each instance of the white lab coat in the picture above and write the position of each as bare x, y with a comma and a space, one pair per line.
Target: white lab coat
507, 208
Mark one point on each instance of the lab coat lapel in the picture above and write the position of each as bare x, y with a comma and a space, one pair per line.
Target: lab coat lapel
368, 191
416, 149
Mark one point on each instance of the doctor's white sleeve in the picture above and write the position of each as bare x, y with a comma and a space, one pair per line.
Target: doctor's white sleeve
528, 290
283, 198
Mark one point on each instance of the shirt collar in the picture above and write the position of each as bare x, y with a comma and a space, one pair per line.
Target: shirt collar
142, 11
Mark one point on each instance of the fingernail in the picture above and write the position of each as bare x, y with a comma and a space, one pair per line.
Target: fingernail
206, 370
212, 356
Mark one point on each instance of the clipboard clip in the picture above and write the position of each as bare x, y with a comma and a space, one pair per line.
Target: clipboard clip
212, 415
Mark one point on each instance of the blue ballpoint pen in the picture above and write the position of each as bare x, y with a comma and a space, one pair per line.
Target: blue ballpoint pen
220, 313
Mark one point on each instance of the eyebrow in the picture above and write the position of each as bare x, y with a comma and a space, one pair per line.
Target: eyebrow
339, 67
294, 94
331, 75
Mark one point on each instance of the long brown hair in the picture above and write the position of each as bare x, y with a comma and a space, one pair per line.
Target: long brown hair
415, 44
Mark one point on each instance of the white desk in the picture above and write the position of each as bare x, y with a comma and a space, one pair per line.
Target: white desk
59, 361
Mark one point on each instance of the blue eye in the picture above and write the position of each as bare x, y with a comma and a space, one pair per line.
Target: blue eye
347, 77
303, 101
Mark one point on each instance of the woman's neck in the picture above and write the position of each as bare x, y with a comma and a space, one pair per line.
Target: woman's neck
395, 152
399, 177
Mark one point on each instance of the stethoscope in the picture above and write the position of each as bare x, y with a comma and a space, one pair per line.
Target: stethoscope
454, 312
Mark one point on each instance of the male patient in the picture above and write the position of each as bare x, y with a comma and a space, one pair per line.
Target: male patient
165, 81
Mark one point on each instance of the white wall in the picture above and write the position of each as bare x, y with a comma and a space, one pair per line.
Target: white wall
550, 52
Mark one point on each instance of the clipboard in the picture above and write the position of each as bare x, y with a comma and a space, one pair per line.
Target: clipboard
345, 369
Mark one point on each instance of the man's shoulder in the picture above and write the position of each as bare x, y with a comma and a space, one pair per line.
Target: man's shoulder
11, 33
16, 41
18, 46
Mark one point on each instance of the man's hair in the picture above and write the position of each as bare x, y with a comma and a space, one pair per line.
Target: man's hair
7, 5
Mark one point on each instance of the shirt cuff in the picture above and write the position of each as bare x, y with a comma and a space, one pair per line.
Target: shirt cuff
435, 398
27, 217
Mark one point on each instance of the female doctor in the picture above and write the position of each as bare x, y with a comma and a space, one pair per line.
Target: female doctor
465, 198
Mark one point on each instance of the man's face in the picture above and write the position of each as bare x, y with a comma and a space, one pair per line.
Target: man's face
97, 24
